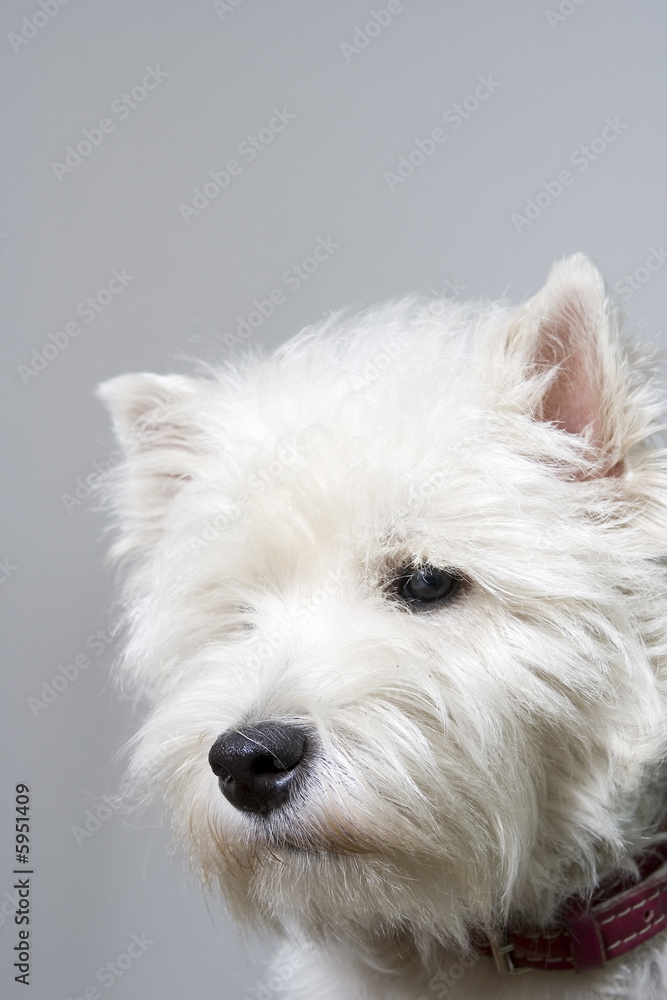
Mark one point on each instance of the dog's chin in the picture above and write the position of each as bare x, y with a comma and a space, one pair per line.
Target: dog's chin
324, 895
334, 881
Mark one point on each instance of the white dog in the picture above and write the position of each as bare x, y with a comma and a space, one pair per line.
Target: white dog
396, 597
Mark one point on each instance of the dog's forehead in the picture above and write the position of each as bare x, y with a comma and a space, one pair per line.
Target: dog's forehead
343, 486
360, 461
366, 443
332, 424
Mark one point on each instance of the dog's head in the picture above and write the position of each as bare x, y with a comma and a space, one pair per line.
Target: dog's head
396, 598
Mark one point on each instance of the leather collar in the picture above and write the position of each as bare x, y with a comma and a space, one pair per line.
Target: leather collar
624, 912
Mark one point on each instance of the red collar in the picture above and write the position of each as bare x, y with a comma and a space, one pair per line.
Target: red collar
624, 912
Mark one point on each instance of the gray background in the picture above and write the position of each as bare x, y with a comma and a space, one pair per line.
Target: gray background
356, 113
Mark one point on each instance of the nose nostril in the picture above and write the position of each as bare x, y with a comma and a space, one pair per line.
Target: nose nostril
266, 764
218, 770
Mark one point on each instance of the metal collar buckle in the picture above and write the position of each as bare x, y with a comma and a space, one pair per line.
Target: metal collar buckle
502, 956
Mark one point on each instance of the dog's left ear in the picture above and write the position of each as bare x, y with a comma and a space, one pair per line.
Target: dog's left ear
156, 425
564, 361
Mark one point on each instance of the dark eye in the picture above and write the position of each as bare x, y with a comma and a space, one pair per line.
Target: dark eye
428, 586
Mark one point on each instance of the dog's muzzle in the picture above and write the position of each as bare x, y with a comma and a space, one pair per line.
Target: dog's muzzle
259, 767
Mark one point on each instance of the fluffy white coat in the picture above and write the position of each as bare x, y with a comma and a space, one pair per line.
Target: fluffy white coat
478, 762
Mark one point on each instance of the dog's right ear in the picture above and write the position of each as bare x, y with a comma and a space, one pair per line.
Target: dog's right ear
564, 362
155, 422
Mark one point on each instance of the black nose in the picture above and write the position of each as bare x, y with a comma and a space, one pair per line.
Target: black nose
258, 767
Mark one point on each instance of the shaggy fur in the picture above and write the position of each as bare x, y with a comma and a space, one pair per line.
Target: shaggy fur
472, 764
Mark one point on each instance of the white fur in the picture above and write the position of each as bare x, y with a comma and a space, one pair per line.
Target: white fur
479, 762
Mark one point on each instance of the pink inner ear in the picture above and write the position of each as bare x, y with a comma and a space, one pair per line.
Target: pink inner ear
572, 401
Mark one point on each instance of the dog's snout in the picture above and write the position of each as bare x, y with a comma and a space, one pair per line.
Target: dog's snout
258, 766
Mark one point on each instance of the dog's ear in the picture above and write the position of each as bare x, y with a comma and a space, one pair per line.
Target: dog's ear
565, 359
154, 419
